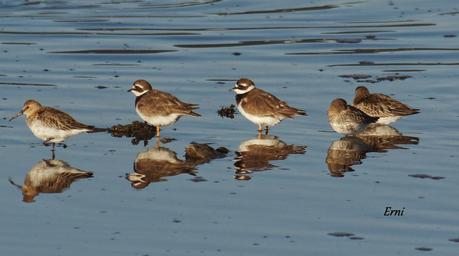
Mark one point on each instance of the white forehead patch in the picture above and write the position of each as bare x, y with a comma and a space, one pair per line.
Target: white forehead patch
242, 91
138, 85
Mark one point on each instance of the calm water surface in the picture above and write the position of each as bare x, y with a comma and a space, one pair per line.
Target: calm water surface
315, 193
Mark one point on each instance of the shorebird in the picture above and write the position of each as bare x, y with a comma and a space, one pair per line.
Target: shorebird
256, 154
51, 125
342, 154
379, 105
159, 108
347, 119
49, 176
155, 165
261, 107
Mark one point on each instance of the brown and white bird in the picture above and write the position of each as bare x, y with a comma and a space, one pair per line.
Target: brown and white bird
342, 154
347, 119
256, 154
49, 176
159, 108
261, 107
155, 165
51, 125
379, 105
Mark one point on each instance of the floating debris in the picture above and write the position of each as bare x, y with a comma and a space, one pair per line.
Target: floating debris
198, 179
137, 130
101, 87
341, 234
370, 37
425, 249
346, 234
227, 112
426, 176
365, 78
356, 76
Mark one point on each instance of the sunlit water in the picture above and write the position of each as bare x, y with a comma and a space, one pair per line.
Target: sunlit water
82, 57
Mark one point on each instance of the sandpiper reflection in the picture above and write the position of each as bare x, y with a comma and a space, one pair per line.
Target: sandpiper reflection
344, 153
256, 154
350, 150
382, 137
157, 163
49, 176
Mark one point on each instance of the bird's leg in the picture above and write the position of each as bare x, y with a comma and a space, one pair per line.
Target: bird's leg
46, 142
53, 150
260, 129
158, 142
266, 130
158, 128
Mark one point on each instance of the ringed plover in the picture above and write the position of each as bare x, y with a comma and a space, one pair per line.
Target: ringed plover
159, 108
261, 107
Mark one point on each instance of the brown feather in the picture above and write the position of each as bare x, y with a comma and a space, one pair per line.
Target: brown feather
262, 103
61, 120
380, 105
164, 104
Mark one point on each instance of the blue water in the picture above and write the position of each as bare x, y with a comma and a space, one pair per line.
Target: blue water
58, 52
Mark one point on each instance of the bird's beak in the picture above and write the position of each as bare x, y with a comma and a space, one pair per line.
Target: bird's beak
130, 90
20, 113
234, 88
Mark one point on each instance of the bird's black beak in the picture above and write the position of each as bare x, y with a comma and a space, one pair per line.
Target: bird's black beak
18, 114
130, 90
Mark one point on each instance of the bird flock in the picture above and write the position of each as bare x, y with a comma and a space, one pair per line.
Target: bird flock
159, 109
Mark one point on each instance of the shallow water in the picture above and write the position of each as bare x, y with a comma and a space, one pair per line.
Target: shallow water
83, 57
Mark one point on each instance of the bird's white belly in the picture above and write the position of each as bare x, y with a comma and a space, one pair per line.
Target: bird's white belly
266, 142
259, 120
387, 120
159, 120
51, 134
38, 176
347, 128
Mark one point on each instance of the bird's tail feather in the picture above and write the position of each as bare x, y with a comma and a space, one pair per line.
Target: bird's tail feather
93, 129
192, 113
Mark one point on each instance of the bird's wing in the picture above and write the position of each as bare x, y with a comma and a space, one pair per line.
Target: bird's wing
360, 116
156, 102
384, 106
263, 103
55, 118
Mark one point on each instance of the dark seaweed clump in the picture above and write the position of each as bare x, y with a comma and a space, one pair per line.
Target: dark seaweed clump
227, 112
364, 78
138, 131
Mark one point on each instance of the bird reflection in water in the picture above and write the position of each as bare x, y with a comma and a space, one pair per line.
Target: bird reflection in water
49, 176
160, 162
350, 150
256, 154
